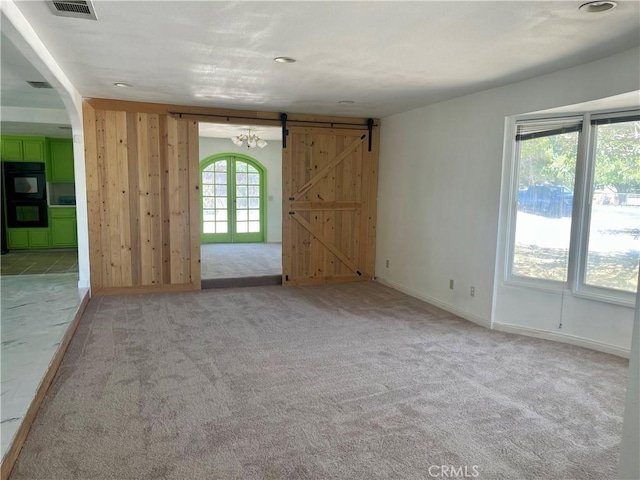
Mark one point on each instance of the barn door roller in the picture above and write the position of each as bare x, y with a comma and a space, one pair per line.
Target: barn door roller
370, 127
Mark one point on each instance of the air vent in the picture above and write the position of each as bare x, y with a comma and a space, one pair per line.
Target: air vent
39, 84
75, 9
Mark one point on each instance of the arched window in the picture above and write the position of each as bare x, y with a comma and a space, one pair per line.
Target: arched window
232, 199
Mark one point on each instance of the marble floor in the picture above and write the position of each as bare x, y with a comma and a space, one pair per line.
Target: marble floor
35, 313
234, 260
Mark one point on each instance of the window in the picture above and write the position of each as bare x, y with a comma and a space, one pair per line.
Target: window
614, 229
552, 158
546, 175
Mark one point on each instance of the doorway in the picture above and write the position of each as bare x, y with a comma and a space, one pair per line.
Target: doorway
240, 206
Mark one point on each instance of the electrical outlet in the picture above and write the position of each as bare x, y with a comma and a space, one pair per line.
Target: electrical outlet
451, 284
473, 291
387, 263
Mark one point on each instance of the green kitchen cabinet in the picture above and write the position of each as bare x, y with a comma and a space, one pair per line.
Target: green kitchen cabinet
62, 223
27, 238
33, 150
60, 164
23, 149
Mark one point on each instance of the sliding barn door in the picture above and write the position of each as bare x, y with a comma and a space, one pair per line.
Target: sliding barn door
142, 196
330, 185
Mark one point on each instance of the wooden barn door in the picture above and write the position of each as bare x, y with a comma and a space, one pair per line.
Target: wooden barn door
142, 198
330, 191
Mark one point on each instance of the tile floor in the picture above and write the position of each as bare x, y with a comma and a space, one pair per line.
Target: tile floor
35, 313
234, 260
35, 262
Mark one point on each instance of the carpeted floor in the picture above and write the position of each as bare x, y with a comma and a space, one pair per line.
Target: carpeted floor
234, 260
351, 381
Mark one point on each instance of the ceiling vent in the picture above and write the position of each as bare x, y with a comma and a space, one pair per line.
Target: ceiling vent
39, 84
73, 8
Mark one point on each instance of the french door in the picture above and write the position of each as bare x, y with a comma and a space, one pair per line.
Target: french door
232, 200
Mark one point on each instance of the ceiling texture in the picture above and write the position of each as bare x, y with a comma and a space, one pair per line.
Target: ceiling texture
386, 57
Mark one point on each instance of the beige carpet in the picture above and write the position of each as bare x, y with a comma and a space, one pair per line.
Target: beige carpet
351, 382
234, 260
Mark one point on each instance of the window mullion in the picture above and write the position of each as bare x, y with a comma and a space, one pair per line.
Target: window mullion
581, 201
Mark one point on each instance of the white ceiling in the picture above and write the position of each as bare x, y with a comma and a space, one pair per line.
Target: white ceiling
14, 89
388, 57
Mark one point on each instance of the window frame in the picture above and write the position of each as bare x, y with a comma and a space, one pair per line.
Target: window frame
580, 215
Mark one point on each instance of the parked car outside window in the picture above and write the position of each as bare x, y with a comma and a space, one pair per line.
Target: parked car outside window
547, 200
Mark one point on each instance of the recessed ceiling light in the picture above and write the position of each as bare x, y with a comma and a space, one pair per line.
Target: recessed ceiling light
346, 102
284, 60
598, 6
123, 85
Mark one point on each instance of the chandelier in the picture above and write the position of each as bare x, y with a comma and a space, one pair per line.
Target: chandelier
251, 140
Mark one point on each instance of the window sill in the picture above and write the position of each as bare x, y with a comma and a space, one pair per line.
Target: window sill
622, 299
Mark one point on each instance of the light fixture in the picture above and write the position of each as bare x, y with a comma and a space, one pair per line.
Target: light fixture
251, 140
123, 85
598, 6
284, 60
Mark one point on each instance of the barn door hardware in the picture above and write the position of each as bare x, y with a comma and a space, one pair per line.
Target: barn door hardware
283, 119
370, 127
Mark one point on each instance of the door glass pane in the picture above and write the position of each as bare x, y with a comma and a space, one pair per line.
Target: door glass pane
247, 197
207, 177
214, 198
614, 231
546, 175
208, 215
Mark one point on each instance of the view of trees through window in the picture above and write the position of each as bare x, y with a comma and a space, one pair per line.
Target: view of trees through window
545, 197
614, 232
546, 179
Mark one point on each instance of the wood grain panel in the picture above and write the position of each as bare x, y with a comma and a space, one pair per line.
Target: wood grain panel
329, 191
142, 182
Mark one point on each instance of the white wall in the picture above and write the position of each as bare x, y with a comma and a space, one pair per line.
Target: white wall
629, 466
24, 37
271, 158
439, 192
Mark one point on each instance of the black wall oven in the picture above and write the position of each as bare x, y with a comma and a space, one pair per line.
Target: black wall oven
25, 194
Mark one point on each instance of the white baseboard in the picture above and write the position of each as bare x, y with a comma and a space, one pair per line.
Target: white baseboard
437, 303
509, 328
563, 338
